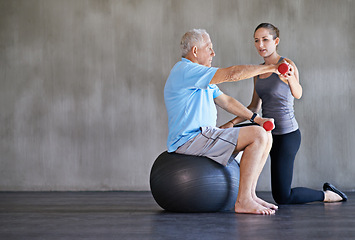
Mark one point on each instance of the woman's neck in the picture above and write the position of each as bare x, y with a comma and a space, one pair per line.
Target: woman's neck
272, 59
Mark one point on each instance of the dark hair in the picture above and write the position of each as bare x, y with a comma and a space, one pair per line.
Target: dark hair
274, 31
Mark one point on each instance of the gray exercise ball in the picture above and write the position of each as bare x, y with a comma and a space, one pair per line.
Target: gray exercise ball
185, 183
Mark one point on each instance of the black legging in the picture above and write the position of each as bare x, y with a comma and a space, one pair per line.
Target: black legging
283, 152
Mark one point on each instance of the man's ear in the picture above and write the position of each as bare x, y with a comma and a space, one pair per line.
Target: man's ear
194, 51
277, 41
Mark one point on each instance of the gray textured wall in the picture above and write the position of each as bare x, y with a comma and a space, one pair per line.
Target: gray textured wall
81, 85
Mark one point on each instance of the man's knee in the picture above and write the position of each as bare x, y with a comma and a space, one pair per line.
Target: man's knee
261, 136
252, 135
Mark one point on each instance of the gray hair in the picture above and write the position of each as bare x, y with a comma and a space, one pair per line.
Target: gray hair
192, 38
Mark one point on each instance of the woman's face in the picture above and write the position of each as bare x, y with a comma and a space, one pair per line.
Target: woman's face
265, 43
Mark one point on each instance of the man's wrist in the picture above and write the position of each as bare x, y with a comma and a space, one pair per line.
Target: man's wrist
252, 119
258, 119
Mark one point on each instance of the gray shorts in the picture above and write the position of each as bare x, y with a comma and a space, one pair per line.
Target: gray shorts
215, 143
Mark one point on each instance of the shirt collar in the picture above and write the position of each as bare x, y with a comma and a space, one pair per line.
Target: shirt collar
185, 60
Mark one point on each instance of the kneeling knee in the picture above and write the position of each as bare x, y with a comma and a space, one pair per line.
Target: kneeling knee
281, 198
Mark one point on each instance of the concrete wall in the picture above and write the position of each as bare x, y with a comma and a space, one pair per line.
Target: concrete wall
81, 85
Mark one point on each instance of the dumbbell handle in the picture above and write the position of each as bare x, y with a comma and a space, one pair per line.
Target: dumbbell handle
268, 125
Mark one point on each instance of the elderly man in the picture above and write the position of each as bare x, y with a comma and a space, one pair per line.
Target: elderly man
191, 96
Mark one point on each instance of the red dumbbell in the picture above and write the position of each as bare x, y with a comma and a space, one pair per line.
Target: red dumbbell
283, 68
268, 126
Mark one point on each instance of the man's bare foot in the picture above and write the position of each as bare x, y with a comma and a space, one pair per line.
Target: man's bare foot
252, 207
264, 203
330, 196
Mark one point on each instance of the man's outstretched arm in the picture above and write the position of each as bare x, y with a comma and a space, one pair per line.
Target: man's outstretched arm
240, 72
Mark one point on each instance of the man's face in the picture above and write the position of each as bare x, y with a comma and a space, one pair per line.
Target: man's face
205, 52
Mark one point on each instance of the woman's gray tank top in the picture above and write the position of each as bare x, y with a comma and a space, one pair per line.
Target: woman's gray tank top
277, 103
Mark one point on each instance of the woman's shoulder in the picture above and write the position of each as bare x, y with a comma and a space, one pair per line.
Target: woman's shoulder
288, 60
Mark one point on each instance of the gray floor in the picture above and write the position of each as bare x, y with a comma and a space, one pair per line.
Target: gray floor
135, 215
